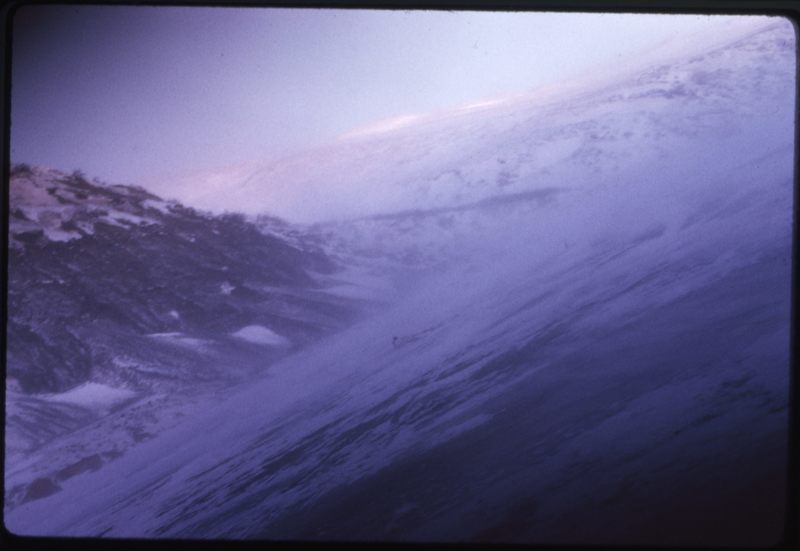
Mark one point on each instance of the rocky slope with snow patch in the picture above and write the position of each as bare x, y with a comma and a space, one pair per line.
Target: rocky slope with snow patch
117, 298
106, 280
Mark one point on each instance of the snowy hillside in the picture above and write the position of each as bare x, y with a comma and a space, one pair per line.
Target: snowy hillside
596, 351
423, 190
548, 139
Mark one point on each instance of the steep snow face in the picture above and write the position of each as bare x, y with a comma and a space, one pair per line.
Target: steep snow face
607, 364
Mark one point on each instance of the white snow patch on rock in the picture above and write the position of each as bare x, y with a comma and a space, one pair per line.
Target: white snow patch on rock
92, 395
61, 235
258, 334
162, 206
125, 217
181, 339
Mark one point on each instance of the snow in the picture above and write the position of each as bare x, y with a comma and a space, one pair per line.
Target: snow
180, 339
258, 334
92, 395
86, 227
61, 235
161, 206
48, 202
119, 218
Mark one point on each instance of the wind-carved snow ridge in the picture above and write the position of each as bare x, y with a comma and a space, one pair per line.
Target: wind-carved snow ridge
608, 337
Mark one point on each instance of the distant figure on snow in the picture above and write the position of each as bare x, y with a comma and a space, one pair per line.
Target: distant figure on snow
394, 341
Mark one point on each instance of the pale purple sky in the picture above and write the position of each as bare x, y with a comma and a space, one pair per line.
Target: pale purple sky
135, 94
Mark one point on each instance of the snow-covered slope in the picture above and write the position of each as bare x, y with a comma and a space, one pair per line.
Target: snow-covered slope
643, 367
579, 137
604, 359
423, 192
